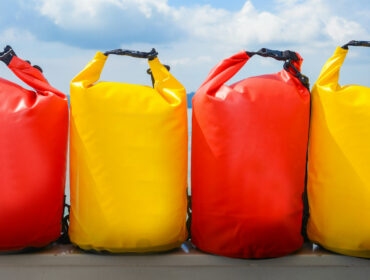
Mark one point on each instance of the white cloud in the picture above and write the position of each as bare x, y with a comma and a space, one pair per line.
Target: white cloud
294, 21
205, 35
72, 13
340, 29
12, 35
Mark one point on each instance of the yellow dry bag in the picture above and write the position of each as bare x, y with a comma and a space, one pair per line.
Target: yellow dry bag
128, 160
339, 162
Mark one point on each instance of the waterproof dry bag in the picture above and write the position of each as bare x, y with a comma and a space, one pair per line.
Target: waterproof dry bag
249, 145
128, 160
33, 148
339, 161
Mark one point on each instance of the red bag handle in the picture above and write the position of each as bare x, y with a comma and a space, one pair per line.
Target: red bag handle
31, 75
227, 68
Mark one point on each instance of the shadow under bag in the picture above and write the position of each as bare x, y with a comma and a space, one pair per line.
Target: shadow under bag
33, 150
128, 160
249, 146
339, 161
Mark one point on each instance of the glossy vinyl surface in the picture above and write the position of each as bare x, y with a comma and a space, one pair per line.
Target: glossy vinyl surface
339, 163
249, 144
33, 148
128, 162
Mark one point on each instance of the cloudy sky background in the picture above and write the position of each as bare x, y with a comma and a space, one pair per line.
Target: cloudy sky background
62, 36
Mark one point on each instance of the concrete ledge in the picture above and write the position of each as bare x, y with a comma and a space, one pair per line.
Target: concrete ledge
68, 262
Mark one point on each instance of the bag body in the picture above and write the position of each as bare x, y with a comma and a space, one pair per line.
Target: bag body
33, 150
339, 162
128, 161
249, 145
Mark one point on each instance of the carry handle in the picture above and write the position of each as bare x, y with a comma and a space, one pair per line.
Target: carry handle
356, 44
329, 75
288, 57
149, 55
137, 54
91, 73
278, 55
227, 68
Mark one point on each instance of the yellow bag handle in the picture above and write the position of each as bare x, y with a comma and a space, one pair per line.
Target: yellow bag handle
161, 76
329, 75
149, 72
166, 84
91, 73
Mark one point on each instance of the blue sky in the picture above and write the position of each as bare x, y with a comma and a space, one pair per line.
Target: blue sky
192, 36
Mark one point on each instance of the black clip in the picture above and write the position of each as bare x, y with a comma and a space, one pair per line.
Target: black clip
7, 55
278, 55
270, 53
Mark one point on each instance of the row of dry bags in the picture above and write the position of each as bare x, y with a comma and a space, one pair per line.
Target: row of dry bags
128, 160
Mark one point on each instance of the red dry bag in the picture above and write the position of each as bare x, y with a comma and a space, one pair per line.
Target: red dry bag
33, 147
249, 145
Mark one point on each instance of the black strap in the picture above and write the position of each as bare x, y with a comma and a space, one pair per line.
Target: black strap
278, 55
7, 55
64, 238
288, 66
149, 55
149, 72
356, 44
188, 221
306, 208
34, 66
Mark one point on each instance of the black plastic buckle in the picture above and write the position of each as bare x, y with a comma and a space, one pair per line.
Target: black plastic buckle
271, 53
278, 55
7, 55
289, 55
